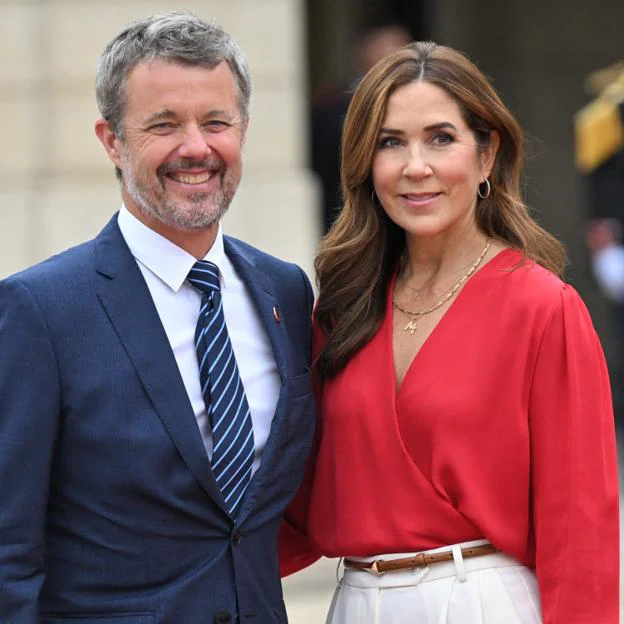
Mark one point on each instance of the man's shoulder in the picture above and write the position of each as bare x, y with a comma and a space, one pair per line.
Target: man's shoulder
59, 267
260, 258
289, 281
53, 286
65, 266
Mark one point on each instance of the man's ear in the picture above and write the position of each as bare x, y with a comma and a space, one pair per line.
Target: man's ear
109, 140
244, 126
489, 155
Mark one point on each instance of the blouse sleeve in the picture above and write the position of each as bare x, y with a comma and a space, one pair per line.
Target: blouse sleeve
295, 549
574, 471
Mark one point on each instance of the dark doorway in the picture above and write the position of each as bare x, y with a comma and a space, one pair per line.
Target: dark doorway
344, 37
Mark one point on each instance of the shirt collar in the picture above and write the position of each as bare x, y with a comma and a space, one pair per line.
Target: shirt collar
163, 258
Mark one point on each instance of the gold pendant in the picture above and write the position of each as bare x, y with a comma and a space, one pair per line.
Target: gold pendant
411, 327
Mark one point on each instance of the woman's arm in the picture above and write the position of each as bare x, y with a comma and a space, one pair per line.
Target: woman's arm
574, 472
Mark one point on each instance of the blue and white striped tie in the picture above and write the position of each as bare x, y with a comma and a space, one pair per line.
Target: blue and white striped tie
224, 395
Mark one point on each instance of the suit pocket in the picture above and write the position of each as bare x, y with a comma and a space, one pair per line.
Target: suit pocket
302, 384
114, 618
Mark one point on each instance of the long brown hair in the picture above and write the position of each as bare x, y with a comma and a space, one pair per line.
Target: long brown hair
362, 250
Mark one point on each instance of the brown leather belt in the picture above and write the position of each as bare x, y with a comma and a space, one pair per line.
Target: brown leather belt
421, 560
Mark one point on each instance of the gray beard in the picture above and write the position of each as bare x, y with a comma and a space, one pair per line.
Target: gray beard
171, 215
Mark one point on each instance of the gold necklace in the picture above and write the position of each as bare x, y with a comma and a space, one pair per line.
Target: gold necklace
417, 291
416, 316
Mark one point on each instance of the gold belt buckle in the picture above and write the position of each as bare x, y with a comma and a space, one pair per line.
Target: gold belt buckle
373, 569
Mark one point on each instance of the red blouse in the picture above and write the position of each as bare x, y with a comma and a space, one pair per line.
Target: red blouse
502, 429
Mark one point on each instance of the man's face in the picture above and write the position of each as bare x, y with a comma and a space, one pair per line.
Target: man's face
181, 151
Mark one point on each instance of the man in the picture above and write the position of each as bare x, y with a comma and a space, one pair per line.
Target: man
155, 411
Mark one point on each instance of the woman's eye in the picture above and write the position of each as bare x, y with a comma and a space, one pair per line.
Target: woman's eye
388, 142
442, 138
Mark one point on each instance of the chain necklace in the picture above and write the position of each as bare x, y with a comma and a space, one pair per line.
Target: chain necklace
416, 316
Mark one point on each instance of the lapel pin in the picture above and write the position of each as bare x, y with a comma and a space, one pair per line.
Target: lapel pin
277, 314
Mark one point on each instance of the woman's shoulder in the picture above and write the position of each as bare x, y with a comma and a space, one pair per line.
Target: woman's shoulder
529, 283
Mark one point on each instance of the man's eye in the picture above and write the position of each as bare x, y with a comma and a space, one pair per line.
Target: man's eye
217, 124
163, 126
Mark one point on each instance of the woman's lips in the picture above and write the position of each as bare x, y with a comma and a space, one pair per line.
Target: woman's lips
420, 197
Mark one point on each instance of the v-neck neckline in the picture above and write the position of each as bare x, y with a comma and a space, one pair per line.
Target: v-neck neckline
495, 260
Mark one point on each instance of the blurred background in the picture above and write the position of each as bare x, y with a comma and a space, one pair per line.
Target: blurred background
557, 65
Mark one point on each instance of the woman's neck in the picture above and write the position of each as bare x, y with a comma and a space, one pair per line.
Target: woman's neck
431, 263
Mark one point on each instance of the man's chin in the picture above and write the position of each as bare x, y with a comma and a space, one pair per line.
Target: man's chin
196, 221
189, 213
197, 226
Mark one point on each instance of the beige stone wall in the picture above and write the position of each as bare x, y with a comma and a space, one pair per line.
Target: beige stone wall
57, 186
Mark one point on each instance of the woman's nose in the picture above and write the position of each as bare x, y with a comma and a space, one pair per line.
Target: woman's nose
417, 163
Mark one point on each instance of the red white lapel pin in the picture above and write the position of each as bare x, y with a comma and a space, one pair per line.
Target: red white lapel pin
276, 314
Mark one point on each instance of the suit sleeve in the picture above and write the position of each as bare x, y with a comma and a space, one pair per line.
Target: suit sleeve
309, 303
29, 409
574, 472
295, 549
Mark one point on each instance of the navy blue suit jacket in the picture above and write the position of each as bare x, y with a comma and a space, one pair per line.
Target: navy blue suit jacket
109, 512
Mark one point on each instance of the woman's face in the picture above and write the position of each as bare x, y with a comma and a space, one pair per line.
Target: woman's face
427, 167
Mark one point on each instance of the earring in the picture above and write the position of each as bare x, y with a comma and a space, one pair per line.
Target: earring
373, 197
488, 189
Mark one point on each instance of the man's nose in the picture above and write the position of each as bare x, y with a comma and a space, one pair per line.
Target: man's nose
194, 143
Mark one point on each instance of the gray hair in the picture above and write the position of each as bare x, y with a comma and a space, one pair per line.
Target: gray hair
177, 37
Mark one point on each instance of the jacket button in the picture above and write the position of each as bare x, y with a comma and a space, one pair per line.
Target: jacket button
223, 617
236, 538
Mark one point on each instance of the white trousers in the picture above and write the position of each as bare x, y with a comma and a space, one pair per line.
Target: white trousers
489, 589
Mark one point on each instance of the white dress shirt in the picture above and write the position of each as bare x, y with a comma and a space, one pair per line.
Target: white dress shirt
165, 267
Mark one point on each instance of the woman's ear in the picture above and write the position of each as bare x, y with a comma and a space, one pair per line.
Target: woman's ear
489, 155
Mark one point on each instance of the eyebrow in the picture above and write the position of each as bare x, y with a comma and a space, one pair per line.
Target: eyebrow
163, 114
437, 126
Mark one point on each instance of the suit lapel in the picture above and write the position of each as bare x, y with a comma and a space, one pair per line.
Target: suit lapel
265, 300
129, 306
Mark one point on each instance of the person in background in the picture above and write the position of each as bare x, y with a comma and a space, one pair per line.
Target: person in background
329, 106
599, 135
604, 242
155, 402
465, 465
599, 152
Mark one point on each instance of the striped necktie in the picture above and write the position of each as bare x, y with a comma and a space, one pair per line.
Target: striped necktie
222, 388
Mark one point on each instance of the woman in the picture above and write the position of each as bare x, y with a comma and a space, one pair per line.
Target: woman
466, 465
